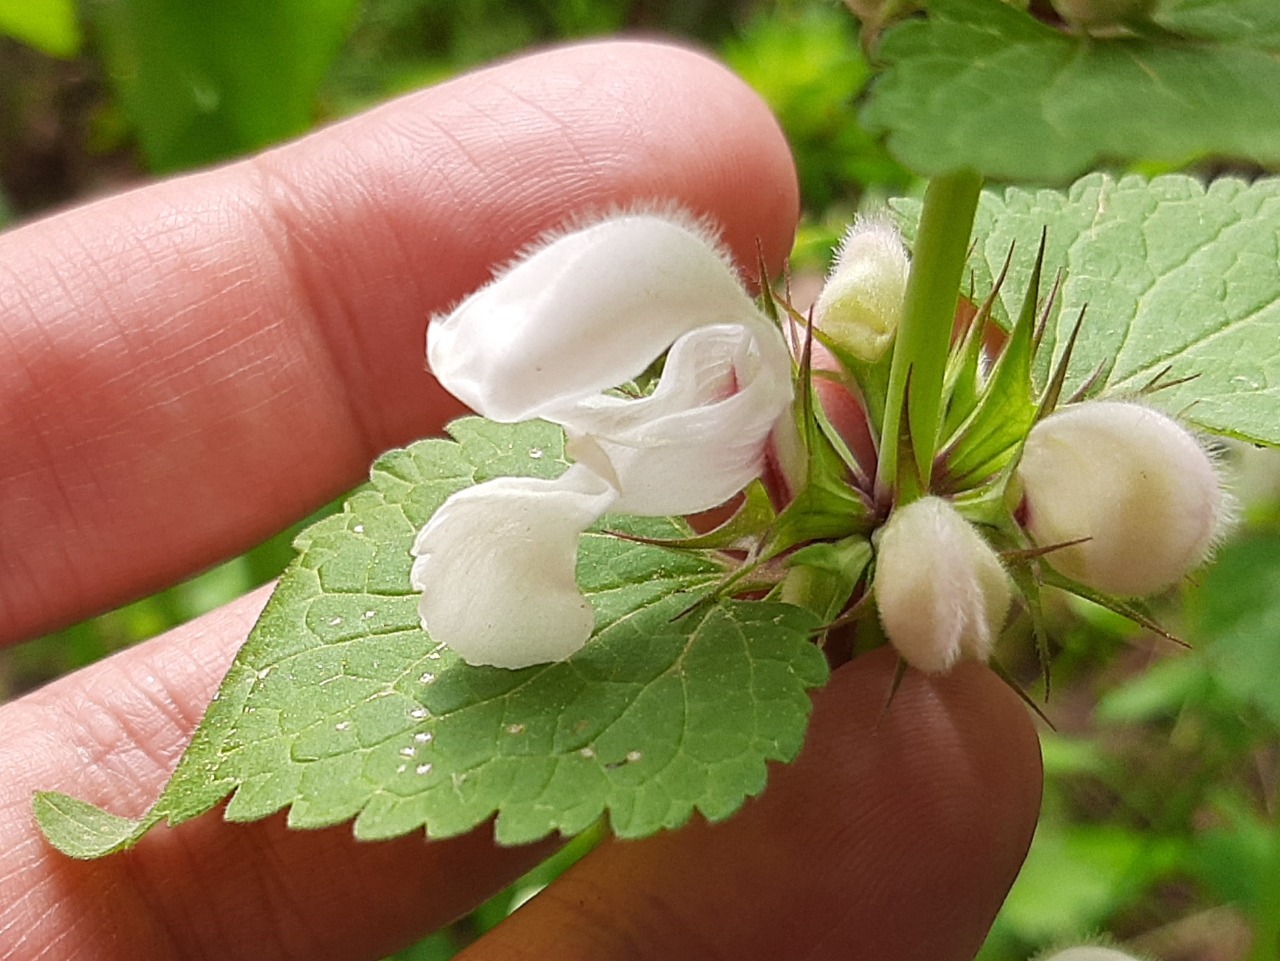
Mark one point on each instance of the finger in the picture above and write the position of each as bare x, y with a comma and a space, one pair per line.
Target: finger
892, 837
188, 367
112, 734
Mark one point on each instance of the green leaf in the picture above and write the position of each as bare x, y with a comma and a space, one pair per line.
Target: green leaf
1179, 279
1255, 22
1076, 876
206, 81
823, 576
804, 60
1236, 620
979, 85
48, 25
339, 706
79, 829
741, 532
986, 441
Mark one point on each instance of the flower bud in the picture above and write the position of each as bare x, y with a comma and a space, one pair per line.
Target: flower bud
939, 586
861, 304
1132, 481
1091, 953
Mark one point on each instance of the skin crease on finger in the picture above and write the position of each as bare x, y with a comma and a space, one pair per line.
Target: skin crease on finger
190, 367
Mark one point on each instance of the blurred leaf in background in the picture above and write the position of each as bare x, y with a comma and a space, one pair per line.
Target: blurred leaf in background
401, 45
806, 62
210, 79
48, 25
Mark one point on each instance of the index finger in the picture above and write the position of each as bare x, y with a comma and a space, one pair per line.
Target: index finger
188, 367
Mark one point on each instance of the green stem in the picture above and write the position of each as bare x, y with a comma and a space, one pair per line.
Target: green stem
924, 336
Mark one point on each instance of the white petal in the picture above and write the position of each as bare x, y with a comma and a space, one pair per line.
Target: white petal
699, 438
939, 587
496, 566
587, 312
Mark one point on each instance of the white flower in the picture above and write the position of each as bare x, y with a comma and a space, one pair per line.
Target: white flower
939, 587
860, 305
1132, 481
587, 312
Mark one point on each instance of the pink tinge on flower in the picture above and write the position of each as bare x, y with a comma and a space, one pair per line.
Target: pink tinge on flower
549, 338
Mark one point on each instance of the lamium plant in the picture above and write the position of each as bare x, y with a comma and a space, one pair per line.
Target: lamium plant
1000, 391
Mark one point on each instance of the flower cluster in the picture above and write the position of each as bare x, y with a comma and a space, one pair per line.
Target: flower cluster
1113, 495
1119, 497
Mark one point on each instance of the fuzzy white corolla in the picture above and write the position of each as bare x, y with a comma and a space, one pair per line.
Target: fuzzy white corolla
1132, 481
940, 589
860, 305
1091, 953
586, 312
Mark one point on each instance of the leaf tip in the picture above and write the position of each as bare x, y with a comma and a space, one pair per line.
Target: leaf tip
80, 830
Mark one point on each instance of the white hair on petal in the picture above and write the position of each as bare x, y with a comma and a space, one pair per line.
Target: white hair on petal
701, 226
878, 224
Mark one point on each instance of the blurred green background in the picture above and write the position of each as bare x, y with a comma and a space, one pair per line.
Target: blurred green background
1159, 827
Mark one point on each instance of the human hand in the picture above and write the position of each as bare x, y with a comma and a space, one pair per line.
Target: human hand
190, 366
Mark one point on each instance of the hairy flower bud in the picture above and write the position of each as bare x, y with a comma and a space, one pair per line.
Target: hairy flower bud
1091, 953
861, 304
1132, 481
939, 587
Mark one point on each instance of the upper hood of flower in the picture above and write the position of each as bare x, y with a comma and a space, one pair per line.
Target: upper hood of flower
588, 311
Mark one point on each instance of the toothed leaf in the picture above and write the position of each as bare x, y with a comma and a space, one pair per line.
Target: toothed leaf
1180, 280
340, 706
979, 85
